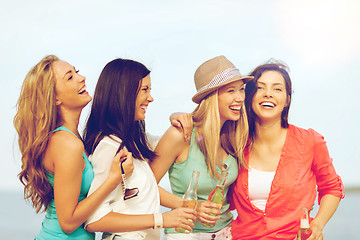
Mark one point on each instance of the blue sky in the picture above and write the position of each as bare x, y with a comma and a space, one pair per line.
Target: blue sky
319, 40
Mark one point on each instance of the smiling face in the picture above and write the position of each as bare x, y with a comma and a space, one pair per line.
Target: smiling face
143, 99
270, 98
70, 86
230, 101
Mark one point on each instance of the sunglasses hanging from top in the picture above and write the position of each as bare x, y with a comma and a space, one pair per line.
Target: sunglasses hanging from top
128, 192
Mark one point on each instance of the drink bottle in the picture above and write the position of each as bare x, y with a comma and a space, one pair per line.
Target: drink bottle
189, 200
304, 231
217, 195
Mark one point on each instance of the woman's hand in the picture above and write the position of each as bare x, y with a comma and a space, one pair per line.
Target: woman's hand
316, 230
115, 170
180, 218
183, 121
204, 208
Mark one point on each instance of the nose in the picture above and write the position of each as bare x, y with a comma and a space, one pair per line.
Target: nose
268, 93
150, 98
81, 78
240, 96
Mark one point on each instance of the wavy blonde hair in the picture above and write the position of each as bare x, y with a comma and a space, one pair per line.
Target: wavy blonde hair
233, 135
35, 119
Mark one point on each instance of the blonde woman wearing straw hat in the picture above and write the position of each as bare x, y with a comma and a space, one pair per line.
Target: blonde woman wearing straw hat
219, 137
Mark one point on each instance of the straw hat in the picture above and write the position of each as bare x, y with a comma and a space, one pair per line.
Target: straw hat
213, 74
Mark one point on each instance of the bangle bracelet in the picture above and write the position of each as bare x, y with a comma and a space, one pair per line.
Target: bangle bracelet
158, 221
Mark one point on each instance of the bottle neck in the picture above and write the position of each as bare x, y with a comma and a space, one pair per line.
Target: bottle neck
222, 180
304, 221
191, 192
193, 182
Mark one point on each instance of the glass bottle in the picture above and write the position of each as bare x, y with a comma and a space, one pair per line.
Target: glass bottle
189, 199
217, 195
304, 231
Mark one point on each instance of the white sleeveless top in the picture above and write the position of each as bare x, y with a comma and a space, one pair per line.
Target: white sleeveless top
259, 187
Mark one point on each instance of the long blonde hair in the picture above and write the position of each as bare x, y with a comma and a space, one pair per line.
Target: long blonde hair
35, 119
233, 135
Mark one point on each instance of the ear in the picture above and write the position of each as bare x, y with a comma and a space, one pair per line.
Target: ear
288, 100
58, 102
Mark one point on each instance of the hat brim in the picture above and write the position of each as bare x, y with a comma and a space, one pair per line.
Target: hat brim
200, 95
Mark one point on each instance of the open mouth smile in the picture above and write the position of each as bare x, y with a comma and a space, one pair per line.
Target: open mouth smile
82, 90
143, 107
268, 104
235, 108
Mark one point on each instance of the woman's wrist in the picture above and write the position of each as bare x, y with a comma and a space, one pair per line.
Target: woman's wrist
112, 182
318, 224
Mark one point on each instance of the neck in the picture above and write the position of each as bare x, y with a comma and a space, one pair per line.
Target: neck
266, 132
70, 119
222, 122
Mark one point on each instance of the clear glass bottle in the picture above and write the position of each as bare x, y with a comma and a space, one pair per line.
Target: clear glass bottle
304, 231
217, 195
189, 199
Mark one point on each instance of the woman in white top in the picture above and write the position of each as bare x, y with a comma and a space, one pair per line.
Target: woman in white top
116, 121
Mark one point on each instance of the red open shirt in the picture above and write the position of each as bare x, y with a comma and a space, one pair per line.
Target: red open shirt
304, 164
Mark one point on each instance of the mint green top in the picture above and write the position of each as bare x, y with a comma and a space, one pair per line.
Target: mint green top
180, 175
50, 226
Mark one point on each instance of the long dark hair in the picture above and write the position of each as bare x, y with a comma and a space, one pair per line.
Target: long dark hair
113, 108
251, 89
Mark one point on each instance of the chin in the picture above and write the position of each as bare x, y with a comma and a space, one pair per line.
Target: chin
140, 118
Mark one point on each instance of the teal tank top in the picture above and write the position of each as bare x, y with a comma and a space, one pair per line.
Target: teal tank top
50, 225
180, 175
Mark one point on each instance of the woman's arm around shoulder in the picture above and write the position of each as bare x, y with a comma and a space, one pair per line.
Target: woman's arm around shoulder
172, 147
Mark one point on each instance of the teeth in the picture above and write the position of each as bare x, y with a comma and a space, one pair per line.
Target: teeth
143, 107
82, 90
268, 104
236, 108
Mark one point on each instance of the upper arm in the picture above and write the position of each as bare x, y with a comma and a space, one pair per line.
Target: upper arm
101, 161
152, 140
66, 152
326, 177
169, 148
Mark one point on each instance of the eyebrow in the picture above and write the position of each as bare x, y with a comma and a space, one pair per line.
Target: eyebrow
272, 84
233, 85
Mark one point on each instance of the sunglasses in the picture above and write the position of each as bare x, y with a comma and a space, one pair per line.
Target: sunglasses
128, 192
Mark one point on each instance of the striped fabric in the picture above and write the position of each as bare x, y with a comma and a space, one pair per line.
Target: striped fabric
221, 77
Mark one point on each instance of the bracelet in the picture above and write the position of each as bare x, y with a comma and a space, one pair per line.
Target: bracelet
158, 221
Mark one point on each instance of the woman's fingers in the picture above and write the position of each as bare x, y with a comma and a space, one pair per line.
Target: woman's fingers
128, 164
183, 121
208, 212
180, 218
187, 126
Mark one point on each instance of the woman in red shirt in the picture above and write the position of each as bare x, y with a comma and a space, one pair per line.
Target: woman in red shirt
285, 165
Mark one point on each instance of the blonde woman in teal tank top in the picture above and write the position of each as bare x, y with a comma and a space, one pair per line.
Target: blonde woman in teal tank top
55, 170
50, 225
219, 136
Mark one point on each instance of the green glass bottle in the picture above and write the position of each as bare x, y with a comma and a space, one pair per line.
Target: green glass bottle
217, 195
